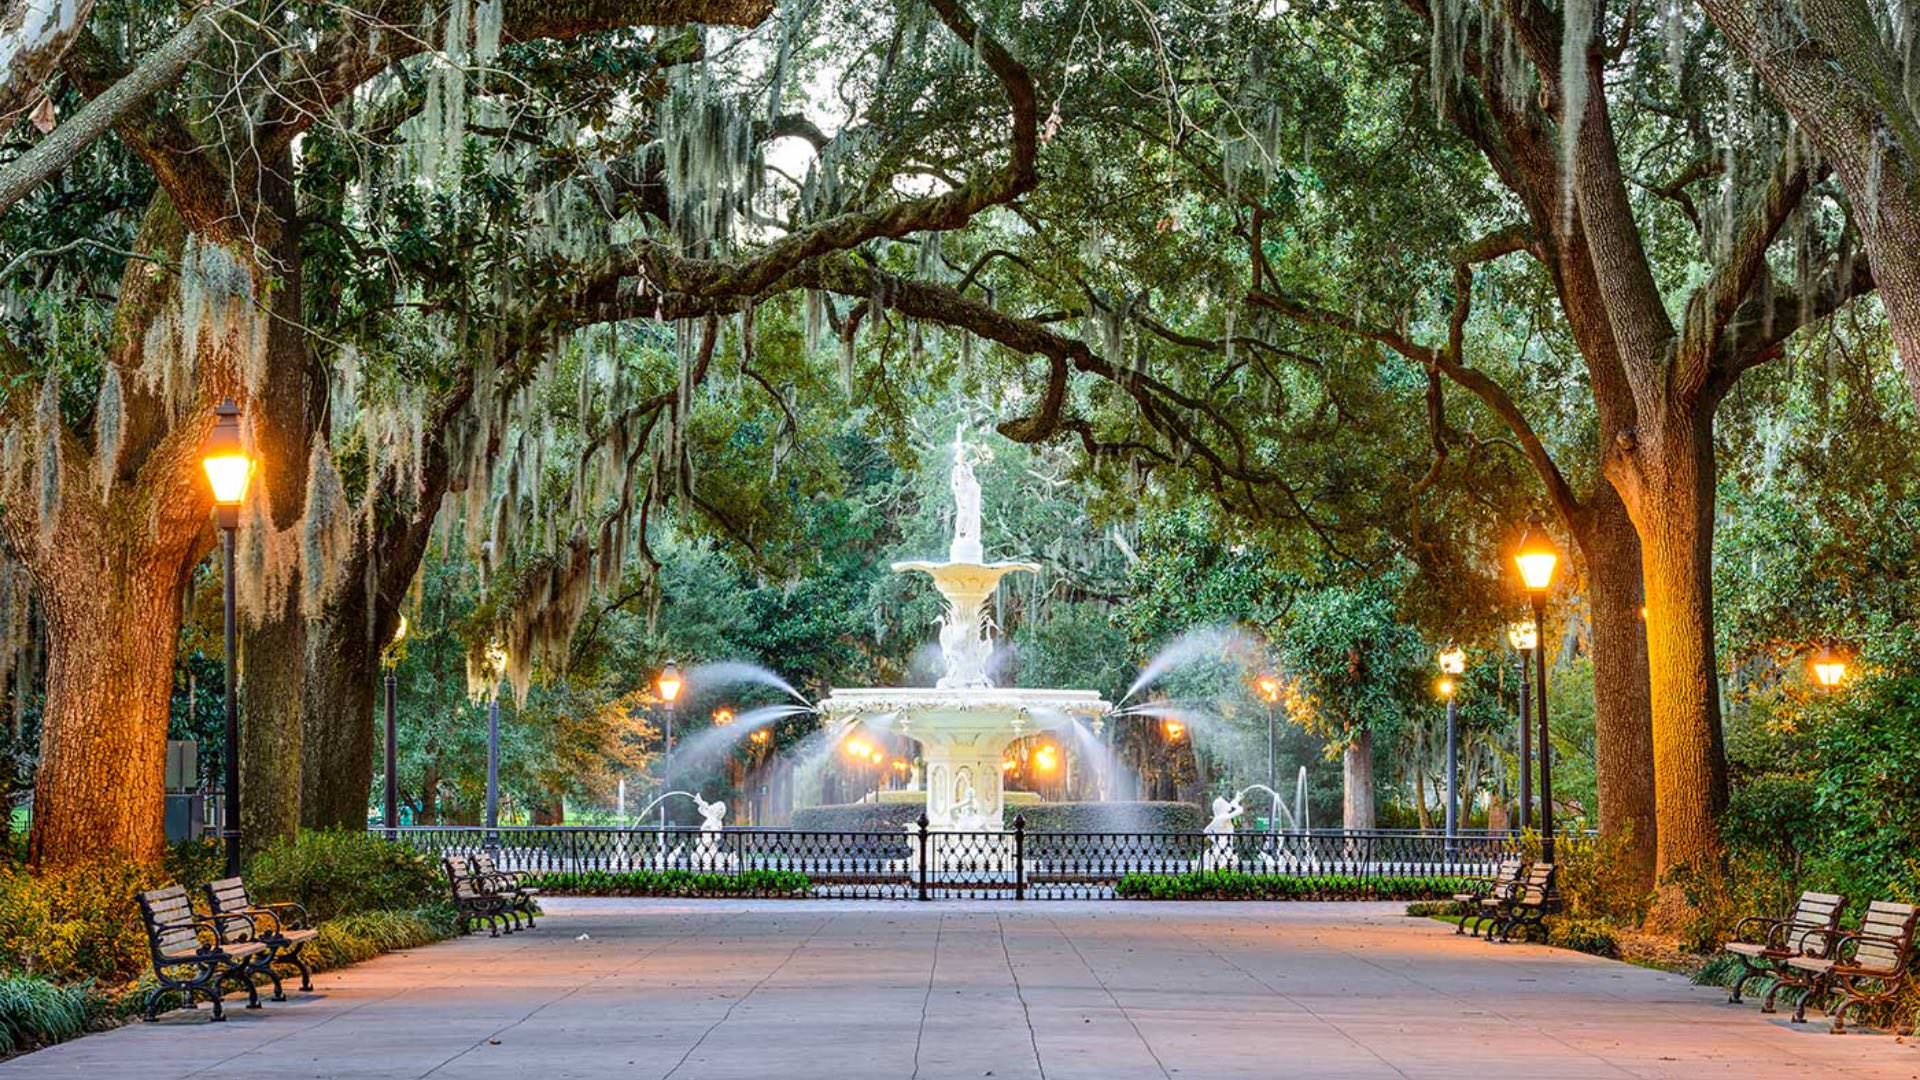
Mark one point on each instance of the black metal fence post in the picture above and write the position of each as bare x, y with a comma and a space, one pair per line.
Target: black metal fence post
923, 856
1019, 856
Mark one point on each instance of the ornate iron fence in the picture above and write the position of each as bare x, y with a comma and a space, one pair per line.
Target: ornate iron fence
924, 864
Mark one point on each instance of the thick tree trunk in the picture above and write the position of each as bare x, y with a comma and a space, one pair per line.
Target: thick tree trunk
111, 626
1622, 705
1357, 774
340, 706
1672, 509
282, 411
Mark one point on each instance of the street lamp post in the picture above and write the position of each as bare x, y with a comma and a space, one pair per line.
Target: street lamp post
496, 670
668, 683
1269, 688
228, 468
1524, 636
391, 774
1536, 559
1453, 662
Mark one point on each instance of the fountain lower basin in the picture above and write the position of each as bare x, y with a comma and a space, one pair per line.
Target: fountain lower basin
963, 735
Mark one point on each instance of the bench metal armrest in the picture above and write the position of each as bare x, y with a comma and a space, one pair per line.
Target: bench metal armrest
300, 920
219, 923
1770, 927
1847, 944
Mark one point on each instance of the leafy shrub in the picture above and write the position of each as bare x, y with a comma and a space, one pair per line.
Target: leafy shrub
1234, 885
193, 863
79, 923
673, 883
857, 817
1584, 935
363, 935
337, 872
35, 1012
1141, 817
1433, 909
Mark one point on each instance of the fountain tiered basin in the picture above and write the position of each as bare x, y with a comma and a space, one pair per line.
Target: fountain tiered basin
963, 734
964, 723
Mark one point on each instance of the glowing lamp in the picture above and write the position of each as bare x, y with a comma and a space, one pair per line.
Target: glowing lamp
1523, 635
1046, 759
1536, 558
1453, 660
722, 716
669, 682
900, 765
1269, 688
228, 467
1445, 687
1829, 670
762, 736
1174, 729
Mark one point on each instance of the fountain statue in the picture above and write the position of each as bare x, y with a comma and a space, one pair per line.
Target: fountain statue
1219, 853
964, 723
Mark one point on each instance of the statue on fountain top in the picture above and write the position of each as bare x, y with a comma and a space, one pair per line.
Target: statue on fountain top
966, 504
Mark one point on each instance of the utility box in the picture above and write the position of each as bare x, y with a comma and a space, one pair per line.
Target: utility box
183, 765
186, 805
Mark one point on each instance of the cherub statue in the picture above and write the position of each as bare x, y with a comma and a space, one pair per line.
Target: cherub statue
712, 814
1219, 853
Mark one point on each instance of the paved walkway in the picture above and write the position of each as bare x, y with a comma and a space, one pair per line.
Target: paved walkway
839, 991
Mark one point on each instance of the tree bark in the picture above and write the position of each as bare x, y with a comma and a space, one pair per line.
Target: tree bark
1622, 705
338, 707
281, 411
1669, 485
101, 783
1357, 776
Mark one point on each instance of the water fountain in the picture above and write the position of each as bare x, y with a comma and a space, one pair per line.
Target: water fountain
964, 723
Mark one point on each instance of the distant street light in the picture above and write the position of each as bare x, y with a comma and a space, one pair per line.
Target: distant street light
1524, 636
722, 716
228, 468
390, 659
1269, 690
1536, 559
1453, 661
1829, 668
1174, 729
668, 684
496, 661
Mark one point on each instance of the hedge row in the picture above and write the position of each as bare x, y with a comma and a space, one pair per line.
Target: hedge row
672, 883
1234, 885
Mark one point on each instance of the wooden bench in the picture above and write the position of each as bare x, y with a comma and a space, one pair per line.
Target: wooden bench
511, 884
282, 927
1505, 878
1764, 945
1532, 900
1868, 966
191, 955
474, 897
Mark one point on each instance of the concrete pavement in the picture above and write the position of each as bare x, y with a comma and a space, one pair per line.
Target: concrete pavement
718, 990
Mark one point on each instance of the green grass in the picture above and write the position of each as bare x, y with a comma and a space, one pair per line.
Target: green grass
1234, 885
672, 883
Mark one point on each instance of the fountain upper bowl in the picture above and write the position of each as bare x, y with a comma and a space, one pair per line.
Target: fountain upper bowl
999, 707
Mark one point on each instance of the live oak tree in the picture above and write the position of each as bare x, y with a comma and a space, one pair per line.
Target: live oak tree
104, 507
1845, 71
